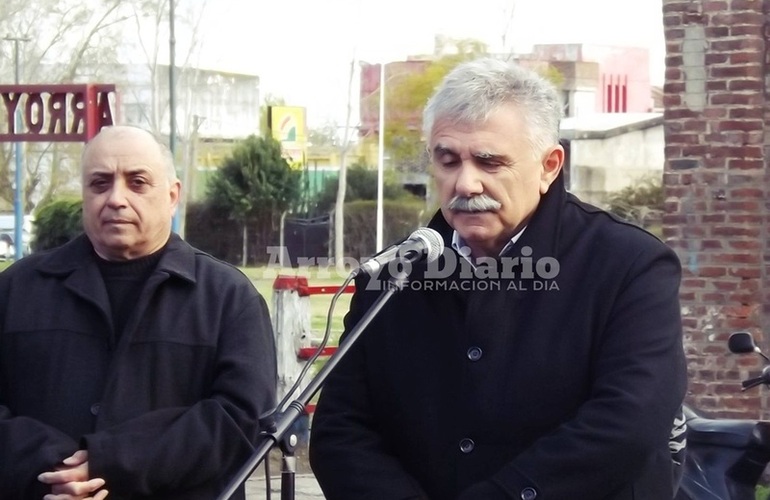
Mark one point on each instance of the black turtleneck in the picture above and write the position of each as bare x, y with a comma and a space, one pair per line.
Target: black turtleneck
124, 281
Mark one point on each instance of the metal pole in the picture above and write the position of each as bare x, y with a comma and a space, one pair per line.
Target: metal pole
18, 180
380, 158
172, 102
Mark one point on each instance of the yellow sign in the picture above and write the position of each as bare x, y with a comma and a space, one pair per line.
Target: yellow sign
287, 126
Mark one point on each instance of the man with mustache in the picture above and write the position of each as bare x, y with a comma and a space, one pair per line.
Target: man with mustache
131, 364
564, 386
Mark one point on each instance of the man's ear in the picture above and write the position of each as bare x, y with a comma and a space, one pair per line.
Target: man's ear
553, 160
175, 193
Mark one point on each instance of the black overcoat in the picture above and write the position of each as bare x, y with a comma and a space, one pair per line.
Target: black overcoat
167, 412
556, 379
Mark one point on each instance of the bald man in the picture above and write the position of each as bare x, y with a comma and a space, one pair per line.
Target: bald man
131, 364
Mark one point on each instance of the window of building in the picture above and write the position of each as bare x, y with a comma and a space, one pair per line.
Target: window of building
615, 94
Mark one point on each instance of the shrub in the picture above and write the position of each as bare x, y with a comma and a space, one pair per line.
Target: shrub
641, 203
361, 185
57, 222
400, 218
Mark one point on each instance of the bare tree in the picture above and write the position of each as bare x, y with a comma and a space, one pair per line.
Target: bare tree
88, 37
339, 210
508, 10
70, 31
150, 19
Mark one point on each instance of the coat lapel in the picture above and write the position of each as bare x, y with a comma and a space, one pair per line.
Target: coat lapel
75, 266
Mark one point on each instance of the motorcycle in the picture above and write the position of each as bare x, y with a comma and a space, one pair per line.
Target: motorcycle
726, 458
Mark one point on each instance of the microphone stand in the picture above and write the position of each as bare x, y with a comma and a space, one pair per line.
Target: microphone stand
279, 431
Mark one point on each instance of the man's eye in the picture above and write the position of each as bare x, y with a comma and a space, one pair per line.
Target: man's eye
99, 184
138, 182
448, 161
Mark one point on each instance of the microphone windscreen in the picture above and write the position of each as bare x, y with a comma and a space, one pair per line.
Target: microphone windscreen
434, 243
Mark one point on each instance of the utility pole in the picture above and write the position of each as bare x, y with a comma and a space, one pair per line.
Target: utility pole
18, 188
172, 103
380, 161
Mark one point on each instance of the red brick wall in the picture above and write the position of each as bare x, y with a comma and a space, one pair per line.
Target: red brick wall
717, 186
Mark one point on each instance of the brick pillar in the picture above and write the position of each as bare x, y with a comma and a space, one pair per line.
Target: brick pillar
717, 187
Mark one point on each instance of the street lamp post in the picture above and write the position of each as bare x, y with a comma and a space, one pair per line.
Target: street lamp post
175, 222
18, 188
380, 159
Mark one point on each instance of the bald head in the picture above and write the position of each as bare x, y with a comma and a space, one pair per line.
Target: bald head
116, 133
130, 193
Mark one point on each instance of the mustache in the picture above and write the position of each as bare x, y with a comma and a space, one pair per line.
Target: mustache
478, 203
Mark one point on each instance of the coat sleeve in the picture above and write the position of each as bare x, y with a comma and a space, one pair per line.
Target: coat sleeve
173, 449
347, 454
621, 432
27, 448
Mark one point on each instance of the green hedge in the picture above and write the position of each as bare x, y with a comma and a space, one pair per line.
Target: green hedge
400, 219
57, 222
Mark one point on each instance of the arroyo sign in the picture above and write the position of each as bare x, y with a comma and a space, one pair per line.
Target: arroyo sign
54, 113
49, 113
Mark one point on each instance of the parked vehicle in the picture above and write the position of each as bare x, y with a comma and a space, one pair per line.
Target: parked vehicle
7, 235
726, 458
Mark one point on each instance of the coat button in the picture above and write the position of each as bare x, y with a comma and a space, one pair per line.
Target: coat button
474, 353
467, 445
95, 408
528, 494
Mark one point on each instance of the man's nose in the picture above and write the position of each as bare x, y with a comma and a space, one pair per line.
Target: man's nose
117, 196
468, 181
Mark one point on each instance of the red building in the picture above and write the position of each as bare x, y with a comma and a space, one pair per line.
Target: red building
619, 81
370, 93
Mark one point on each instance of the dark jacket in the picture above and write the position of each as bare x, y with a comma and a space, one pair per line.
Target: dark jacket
544, 386
168, 411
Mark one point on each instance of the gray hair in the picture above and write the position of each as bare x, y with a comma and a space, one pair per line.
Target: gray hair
167, 157
474, 89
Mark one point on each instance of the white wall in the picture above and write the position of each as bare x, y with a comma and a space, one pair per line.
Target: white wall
600, 166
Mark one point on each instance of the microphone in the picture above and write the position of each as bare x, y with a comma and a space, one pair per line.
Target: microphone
422, 243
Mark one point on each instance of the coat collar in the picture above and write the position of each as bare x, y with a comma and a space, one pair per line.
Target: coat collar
543, 231
76, 258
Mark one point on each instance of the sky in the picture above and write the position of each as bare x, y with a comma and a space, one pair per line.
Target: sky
302, 49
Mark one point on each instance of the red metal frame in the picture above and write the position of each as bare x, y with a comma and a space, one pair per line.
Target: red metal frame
327, 290
70, 113
308, 352
299, 283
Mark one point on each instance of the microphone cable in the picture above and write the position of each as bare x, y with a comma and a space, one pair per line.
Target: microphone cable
324, 341
287, 398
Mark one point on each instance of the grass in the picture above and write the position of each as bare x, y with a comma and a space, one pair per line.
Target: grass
264, 277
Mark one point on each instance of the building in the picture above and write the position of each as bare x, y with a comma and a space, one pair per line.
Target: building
599, 78
213, 110
609, 151
369, 96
